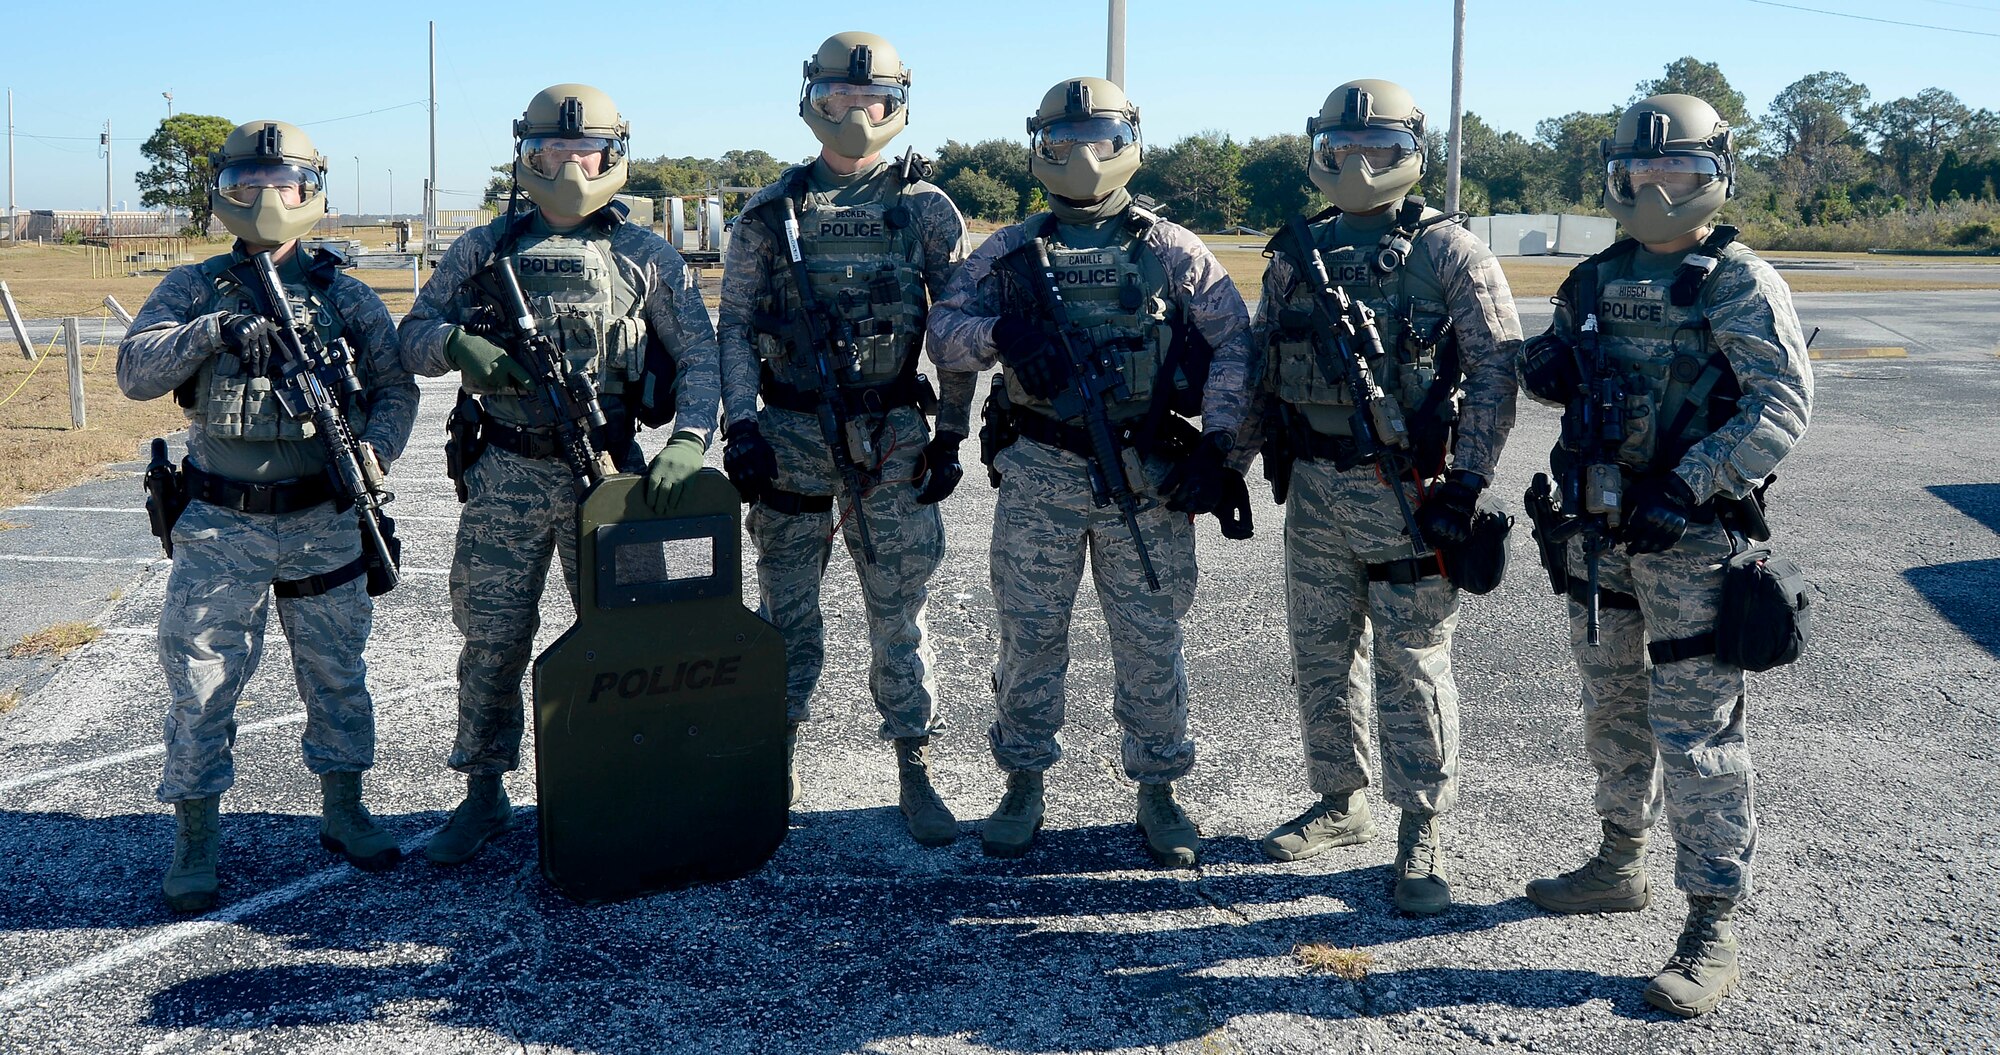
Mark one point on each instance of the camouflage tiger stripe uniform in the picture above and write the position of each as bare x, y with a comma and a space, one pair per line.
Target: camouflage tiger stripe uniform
1338, 522
598, 292
219, 596
1046, 520
1675, 734
846, 216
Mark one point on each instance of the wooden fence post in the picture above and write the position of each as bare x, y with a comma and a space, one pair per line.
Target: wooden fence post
75, 343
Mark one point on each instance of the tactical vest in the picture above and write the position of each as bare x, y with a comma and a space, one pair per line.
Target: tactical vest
1117, 297
585, 304
231, 404
865, 265
1666, 354
1411, 314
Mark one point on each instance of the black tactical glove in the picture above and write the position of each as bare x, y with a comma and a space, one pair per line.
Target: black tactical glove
749, 460
1028, 355
1233, 513
252, 337
938, 468
1548, 368
1202, 480
1445, 518
1656, 513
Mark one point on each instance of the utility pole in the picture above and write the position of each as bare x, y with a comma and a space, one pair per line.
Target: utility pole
392, 195
105, 139
1457, 141
357, 188
1114, 44
169, 93
430, 184
10, 164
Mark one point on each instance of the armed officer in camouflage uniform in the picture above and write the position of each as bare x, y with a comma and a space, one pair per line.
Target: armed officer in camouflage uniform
878, 244
1450, 338
622, 306
1147, 297
1699, 340
260, 514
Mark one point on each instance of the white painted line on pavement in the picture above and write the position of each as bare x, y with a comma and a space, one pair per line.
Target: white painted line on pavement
138, 753
35, 558
77, 509
22, 993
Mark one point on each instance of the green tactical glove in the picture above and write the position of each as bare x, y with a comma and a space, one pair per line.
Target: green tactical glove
486, 365
672, 468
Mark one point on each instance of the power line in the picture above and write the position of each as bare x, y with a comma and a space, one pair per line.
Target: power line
1969, 7
350, 117
1870, 18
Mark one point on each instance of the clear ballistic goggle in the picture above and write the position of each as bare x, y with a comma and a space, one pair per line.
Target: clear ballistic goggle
1382, 147
1681, 176
241, 183
547, 154
1104, 137
833, 99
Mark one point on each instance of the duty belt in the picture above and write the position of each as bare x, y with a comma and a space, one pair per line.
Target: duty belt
1044, 429
792, 503
288, 496
528, 443
869, 399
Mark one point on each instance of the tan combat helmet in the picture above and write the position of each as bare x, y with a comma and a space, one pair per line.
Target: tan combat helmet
1093, 114
1367, 145
569, 149
849, 75
270, 183
1668, 168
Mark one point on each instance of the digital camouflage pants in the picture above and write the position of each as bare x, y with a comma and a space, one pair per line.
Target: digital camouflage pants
1336, 524
518, 512
793, 550
1043, 527
211, 638
1671, 734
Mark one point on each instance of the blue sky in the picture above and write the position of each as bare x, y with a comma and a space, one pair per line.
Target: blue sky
701, 79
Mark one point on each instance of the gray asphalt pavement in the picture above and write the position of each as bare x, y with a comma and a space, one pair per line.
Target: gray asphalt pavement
1876, 926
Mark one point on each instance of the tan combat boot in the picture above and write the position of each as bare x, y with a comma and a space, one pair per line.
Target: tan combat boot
190, 882
1703, 965
1612, 881
1338, 819
484, 815
1421, 888
346, 828
1171, 837
930, 820
1012, 827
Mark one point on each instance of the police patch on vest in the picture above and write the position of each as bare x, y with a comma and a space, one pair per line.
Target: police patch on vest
852, 223
1348, 267
1093, 268
1640, 302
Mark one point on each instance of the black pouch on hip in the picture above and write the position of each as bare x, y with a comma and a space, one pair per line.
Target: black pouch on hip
1766, 611
1478, 565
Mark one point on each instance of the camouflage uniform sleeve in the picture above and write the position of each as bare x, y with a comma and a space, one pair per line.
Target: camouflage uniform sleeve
167, 343
1263, 405
675, 311
429, 324
392, 393
945, 248
1489, 346
1750, 312
1215, 308
746, 280
960, 330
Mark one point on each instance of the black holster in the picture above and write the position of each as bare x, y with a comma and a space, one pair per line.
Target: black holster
997, 430
1550, 542
463, 444
1278, 451
1479, 563
166, 496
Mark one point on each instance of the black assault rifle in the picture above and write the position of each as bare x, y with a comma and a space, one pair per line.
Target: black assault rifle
833, 362
565, 399
1593, 427
313, 381
1094, 378
1348, 342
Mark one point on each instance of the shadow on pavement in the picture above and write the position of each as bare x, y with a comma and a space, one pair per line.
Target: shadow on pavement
1968, 594
1981, 502
850, 935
